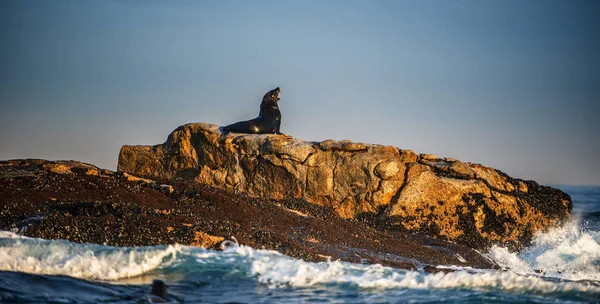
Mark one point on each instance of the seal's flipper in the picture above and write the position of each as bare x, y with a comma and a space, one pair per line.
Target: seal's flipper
224, 130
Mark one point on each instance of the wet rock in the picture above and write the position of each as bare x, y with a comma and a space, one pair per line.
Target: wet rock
202, 239
433, 269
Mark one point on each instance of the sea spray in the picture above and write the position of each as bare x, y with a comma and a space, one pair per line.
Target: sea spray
566, 252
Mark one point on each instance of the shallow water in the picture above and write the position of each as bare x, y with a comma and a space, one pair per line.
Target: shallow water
562, 265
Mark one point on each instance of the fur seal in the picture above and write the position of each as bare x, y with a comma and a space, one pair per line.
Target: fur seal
159, 293
268, 120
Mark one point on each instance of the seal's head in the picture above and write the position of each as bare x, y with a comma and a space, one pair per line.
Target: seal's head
159, 289
273, 95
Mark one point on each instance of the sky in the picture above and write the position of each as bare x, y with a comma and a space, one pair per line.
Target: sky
514, 85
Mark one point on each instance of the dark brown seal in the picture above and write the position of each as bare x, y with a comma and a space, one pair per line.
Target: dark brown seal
268, 120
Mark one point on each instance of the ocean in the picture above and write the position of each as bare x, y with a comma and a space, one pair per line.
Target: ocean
562, 265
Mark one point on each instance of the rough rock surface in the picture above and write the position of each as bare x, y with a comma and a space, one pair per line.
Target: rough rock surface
82, 203
391, 188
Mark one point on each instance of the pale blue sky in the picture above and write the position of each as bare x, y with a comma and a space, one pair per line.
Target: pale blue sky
510, 84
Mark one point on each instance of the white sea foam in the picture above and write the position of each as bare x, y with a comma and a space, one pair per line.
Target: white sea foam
564, 252
267, 267
86, 261
283, 271
276, 270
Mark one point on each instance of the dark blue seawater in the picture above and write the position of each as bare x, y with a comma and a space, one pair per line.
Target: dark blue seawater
562, 265
586, 205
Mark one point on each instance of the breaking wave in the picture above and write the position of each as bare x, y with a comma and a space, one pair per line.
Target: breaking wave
83, 261
568, 252
565, 256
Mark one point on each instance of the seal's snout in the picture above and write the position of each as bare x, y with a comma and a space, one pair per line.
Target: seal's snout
277, 94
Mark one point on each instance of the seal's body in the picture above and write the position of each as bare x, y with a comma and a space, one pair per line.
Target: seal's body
268, 120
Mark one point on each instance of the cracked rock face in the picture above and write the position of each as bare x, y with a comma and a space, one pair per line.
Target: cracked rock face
390, 188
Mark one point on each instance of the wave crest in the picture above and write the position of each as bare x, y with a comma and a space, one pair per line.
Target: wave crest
289, 272
566, 252
84, 261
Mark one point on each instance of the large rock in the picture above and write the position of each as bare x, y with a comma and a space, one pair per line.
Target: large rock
386, 186
83, 203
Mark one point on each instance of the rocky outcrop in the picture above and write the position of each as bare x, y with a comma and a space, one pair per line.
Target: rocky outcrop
391, 188
82, 203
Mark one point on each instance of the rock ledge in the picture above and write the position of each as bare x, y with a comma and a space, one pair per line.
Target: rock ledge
390, 188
